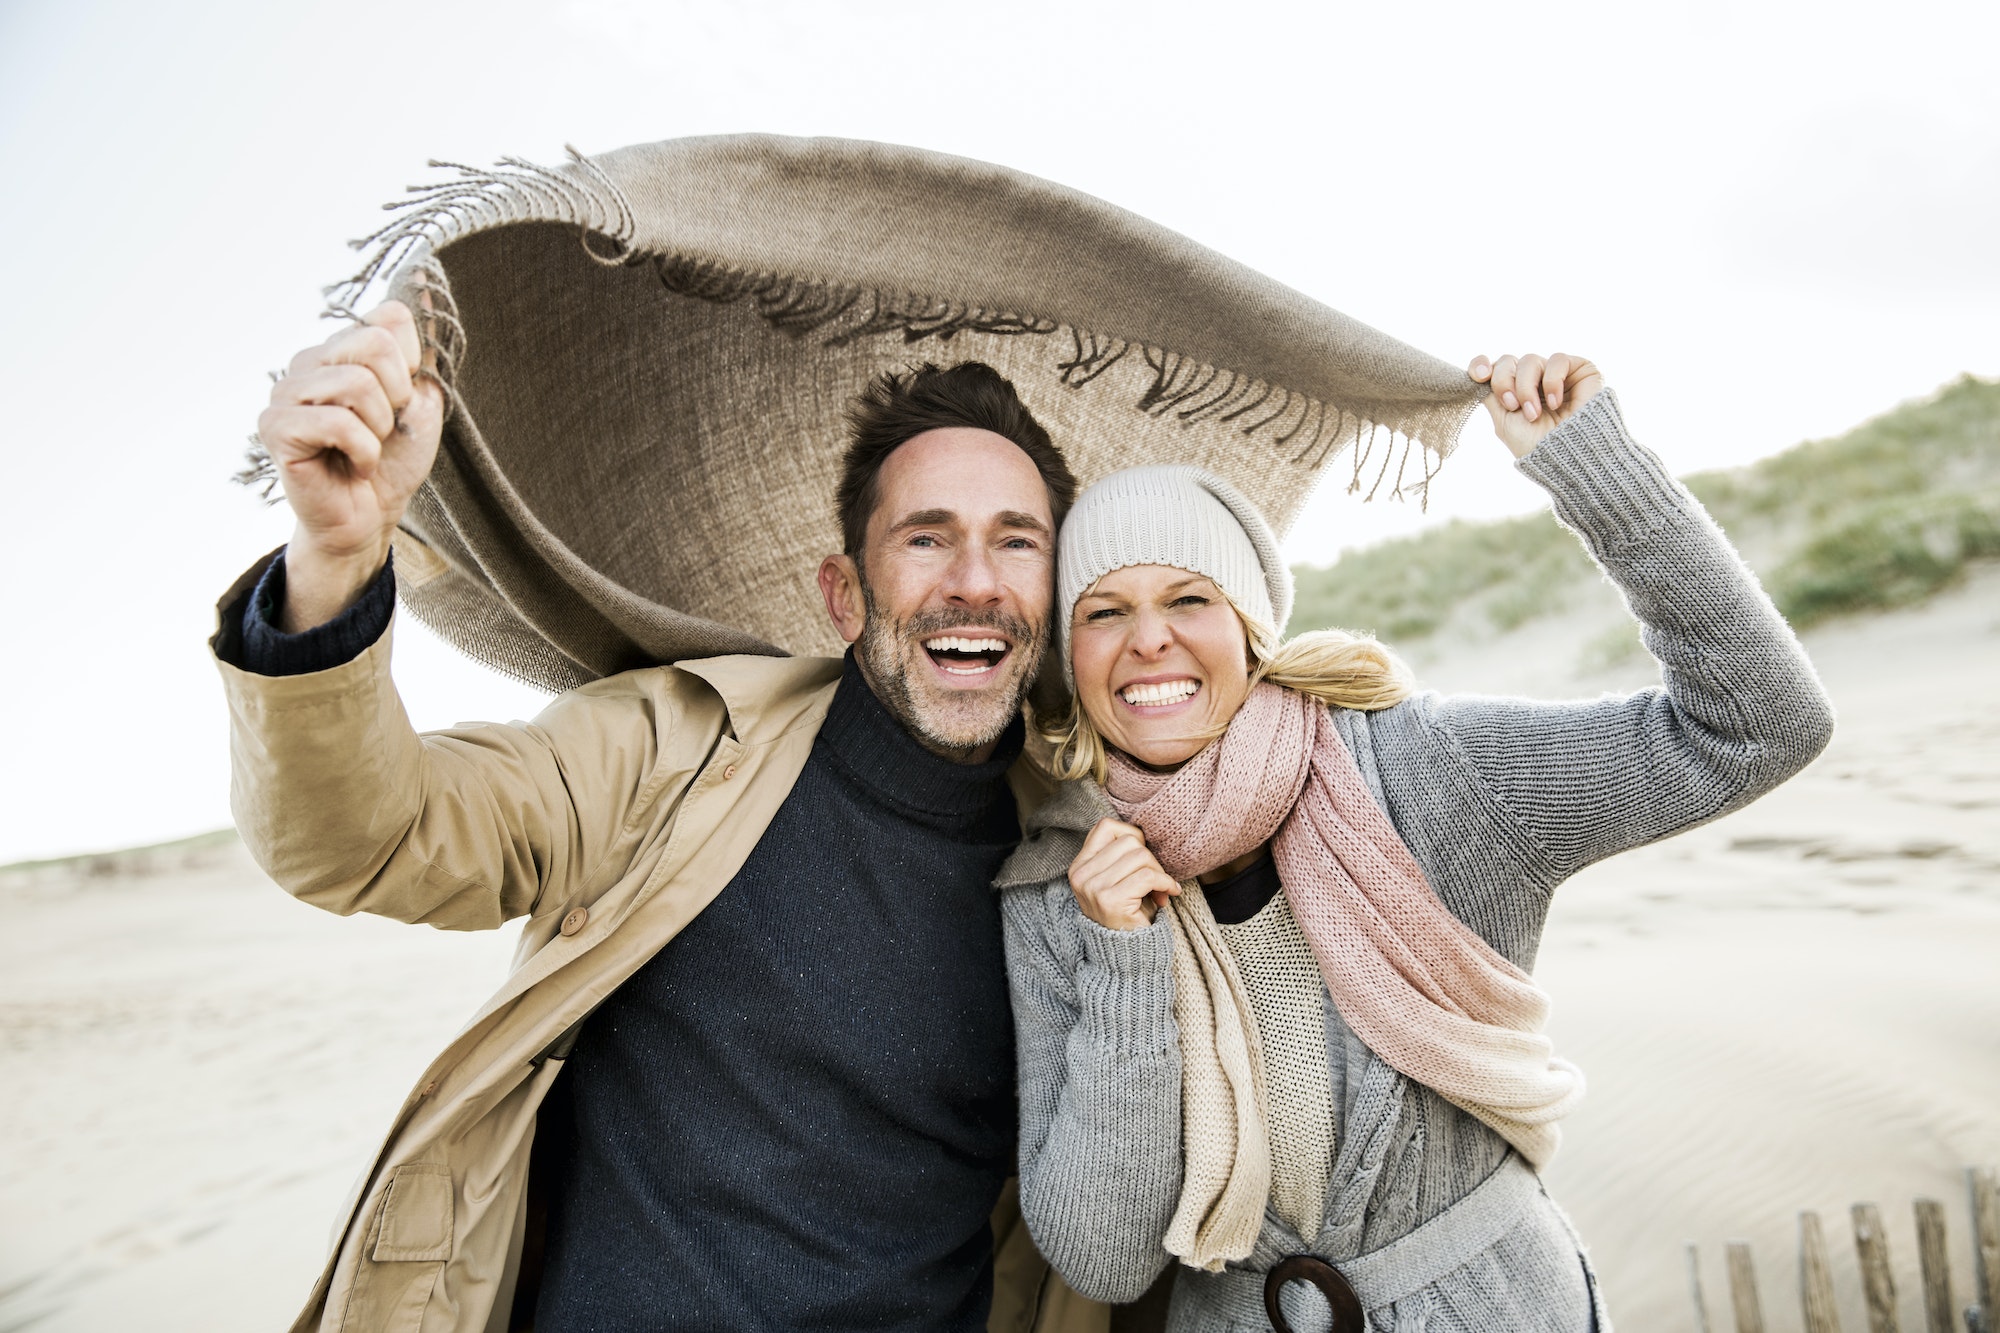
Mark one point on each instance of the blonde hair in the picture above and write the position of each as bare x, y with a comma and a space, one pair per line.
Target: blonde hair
1339, 669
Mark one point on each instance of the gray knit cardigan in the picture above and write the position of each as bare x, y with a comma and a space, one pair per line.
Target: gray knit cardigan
1500, 800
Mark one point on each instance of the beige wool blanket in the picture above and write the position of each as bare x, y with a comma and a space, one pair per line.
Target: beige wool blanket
1419, 986
648, 353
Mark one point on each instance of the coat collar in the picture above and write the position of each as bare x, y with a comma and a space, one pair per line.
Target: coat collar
767, 697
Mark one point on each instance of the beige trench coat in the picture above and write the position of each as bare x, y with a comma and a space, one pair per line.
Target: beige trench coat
608, 823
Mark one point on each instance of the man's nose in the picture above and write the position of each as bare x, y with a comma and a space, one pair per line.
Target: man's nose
973, 579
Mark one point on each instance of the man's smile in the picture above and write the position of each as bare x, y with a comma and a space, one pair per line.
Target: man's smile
972, 659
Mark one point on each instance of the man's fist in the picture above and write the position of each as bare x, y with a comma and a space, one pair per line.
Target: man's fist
1532, 395
352, 430
1116, 879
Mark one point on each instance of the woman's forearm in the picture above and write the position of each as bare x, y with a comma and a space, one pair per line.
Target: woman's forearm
1740, 709
1100, 1091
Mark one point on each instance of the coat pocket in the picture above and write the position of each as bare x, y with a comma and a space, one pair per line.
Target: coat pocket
414, 1225
405, 1249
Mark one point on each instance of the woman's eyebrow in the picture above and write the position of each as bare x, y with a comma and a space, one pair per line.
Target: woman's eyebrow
1176, 586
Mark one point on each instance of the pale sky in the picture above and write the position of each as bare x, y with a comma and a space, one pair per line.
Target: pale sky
1766, 222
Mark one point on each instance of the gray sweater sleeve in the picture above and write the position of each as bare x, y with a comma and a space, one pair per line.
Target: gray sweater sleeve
1100, 1086
1739, 711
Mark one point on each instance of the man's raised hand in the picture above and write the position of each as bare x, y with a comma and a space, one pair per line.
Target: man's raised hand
352, 430
1532, 394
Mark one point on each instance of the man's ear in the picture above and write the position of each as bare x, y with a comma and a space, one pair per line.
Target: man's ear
840, 584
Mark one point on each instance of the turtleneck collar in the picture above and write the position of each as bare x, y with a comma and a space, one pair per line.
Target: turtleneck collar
867, 741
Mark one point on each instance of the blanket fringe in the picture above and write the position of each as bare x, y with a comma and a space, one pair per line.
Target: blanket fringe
513, 190
1303, 431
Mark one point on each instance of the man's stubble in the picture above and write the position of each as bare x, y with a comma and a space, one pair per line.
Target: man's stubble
950, 723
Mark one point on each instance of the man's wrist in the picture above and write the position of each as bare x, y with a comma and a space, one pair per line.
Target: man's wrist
320, 584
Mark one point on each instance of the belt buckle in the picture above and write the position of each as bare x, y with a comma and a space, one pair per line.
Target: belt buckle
1346, 1306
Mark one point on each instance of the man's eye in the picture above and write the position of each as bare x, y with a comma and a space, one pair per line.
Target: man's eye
1020, 544
923, 540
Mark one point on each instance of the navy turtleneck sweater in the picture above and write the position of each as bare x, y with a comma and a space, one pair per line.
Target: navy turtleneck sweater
800, 1112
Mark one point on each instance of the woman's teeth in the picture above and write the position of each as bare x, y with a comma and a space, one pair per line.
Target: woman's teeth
1160, 693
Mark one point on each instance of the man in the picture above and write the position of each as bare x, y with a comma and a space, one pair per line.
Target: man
760, 938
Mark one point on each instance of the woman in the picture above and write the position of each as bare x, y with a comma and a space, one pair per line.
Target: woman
1326, 1062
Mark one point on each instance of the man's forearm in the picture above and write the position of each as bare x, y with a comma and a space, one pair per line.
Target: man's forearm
261, 645
322, 583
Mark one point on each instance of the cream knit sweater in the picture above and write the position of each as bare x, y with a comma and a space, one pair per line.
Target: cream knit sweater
1288, 1001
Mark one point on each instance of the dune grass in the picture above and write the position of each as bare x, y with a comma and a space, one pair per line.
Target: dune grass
1881, 517
111, 860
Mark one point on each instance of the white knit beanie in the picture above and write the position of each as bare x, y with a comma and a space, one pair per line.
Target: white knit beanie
1186, 517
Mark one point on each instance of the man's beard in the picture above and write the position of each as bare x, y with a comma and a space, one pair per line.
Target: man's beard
953, 723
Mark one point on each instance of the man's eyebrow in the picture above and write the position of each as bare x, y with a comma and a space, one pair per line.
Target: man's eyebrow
1014, 518
924, 518
933, 518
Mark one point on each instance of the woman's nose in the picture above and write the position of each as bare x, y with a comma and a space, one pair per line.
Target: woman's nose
1150, 635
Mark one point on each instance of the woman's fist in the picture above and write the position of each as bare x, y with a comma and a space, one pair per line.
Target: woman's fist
1116, 880
1532, 395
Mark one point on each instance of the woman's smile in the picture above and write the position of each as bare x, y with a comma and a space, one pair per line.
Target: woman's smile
1154, 695
1161, 659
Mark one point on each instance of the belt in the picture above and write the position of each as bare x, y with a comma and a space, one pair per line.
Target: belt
1398, 1270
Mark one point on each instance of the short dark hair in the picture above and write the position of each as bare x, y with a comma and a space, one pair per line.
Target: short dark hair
899, 405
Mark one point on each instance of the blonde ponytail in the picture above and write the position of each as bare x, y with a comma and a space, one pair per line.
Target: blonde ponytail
1339, 669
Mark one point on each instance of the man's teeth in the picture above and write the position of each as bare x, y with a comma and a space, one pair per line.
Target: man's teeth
953, 644
1164, 692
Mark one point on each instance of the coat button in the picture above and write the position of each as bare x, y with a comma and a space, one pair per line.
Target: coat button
729, 773
574, 921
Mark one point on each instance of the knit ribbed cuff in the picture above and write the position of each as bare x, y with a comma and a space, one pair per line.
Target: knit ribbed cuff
267, 650
1125, 986
1604, 484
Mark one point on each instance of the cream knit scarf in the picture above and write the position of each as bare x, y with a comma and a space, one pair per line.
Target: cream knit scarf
1424, 991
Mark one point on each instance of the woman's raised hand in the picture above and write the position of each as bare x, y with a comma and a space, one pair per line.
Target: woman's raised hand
1116, 880
1532, 394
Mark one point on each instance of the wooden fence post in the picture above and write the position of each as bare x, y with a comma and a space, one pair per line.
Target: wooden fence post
1694, 1286
1743, 1289
1934, 1263
1815, 1278
1984, 1186
1878, 1284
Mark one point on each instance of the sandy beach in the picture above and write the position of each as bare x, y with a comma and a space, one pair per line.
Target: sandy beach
1798, 1006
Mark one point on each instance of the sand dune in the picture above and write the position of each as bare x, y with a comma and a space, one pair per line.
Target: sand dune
1798, 1006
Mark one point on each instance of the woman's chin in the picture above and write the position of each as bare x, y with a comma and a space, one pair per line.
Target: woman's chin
1162, 755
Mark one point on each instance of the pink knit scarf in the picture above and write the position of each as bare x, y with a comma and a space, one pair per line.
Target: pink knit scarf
1423, 990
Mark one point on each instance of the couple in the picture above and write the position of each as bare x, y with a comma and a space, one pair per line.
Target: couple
1249, 1006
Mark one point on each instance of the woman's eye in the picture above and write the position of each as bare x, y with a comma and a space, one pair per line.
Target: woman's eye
1102, 613
1192, 599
